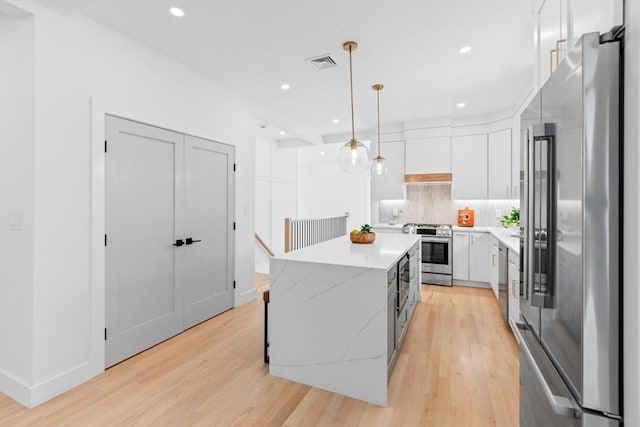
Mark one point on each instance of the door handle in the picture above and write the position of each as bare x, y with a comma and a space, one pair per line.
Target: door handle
191, 241
560, 404
179, 242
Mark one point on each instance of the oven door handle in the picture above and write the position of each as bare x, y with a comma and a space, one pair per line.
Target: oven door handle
436, 239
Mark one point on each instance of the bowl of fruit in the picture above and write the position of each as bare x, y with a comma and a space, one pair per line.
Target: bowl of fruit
364, 235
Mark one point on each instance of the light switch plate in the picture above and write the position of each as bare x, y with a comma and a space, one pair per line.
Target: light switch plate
15, 222
498, 213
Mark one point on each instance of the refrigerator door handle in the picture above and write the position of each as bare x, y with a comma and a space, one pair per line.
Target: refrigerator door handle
543, 284
561, 405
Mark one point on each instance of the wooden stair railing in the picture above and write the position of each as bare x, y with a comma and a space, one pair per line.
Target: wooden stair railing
264, 245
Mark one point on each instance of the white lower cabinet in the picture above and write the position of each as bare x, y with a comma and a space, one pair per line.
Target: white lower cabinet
478, 250
514, 286
470, 254
493, 264
460, 255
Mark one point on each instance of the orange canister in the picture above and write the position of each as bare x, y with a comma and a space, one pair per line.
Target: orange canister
465, 217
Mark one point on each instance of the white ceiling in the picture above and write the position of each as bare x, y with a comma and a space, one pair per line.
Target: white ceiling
253, 46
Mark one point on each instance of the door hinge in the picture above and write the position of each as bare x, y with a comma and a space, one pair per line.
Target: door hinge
105, 240
234, 225
105, 146
234, 284
234, 167
105, 334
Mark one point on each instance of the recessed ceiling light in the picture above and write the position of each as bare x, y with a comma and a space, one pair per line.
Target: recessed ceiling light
461, 104
336, 121
176, 11
322, 153
282, 132
465, 49
285, 86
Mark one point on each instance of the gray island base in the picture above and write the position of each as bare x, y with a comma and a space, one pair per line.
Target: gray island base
334, 321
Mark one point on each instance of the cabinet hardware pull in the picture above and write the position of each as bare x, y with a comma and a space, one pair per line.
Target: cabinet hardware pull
514, 283
558, 49
493, 259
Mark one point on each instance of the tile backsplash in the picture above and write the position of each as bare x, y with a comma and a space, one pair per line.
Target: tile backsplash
432, 204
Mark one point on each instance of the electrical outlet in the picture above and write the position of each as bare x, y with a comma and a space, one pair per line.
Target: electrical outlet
498, 213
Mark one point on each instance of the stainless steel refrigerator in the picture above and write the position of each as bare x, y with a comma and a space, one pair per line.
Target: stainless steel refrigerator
569, 330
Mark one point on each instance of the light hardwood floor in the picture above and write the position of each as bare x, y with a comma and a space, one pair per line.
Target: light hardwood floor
458, 367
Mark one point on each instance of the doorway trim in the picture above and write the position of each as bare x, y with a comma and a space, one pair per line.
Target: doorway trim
98, 109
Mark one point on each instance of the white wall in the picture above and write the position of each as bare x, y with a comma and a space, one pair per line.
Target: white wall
82, 71
276, 196
631, 274
324, 189
16, 202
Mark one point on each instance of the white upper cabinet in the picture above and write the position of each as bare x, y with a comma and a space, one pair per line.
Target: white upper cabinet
562, 22
499, 172
515, 163
428, 155
587, 16
551, 37
391, 186
469, 167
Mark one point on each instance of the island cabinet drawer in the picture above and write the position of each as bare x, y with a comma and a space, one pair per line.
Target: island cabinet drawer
404, 318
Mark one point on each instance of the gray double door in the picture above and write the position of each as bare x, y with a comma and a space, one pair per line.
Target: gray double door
169, 234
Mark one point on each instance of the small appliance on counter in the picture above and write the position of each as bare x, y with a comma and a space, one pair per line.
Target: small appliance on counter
465, 217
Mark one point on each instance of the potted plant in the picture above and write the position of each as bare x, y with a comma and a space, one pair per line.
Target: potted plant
364, 235
512, 220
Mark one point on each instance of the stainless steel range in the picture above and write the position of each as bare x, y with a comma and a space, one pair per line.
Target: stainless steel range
436, 251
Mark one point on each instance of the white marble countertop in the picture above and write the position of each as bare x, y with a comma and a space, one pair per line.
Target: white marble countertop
501, 233
383, 253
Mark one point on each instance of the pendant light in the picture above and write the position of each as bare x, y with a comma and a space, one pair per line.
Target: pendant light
354, 155
379, 167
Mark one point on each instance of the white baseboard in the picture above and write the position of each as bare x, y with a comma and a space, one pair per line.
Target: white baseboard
30, 396
472, 284
62, 382
15, 389
246, 296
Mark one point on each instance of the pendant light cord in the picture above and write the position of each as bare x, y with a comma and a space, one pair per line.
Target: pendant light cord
378, 97
353, 128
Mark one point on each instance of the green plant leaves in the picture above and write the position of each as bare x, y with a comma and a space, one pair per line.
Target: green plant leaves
366, 228
512, 219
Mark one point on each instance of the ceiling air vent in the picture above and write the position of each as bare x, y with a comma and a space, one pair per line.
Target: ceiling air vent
321, 62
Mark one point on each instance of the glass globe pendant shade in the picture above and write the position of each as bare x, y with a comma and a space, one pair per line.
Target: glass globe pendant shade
379, 168
354, 157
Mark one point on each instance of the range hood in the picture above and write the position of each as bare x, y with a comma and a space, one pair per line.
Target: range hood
427, 178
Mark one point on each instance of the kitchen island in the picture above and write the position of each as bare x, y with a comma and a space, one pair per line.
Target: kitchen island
333, 321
